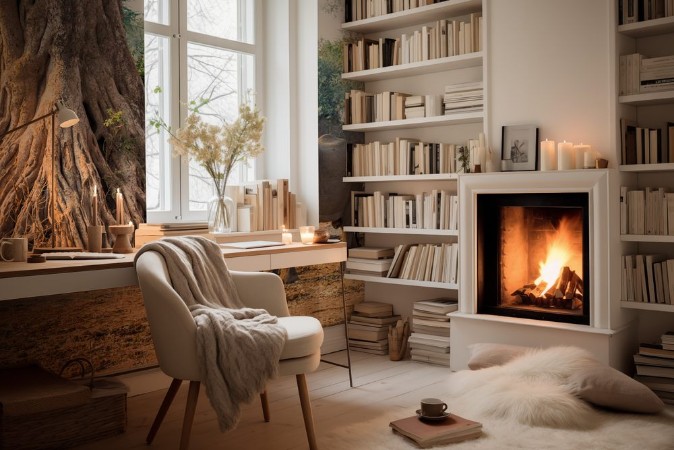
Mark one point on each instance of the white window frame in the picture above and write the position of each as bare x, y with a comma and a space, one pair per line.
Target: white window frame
179, 36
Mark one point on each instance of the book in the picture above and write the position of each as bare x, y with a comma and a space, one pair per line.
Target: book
359, 318
373, 335
437, 305
424, 329
80, 255
374, 309
371, 252
655, 371
656, 383
653, 361
425, 434
655, 350
374, 265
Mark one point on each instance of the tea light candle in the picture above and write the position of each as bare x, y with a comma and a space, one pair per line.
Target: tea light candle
548, 155
286, 237
307, 234
565, 159
119, 207
94, 206
580, 151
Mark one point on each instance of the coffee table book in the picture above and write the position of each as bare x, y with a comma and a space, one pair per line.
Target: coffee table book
427, 434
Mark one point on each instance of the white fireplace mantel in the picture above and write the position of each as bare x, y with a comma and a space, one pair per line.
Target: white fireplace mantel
608, 327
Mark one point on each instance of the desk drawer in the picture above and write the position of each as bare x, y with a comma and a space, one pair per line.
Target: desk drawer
249, 263
297, 259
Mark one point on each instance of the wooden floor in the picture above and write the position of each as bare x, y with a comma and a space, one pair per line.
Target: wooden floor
381, 386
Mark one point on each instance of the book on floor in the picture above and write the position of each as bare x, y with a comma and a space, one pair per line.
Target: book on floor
359, 318
437, 305
374, 309
655, 350
656, 383
655, 371
425, 434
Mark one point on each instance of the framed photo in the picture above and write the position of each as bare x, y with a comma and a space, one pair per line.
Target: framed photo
519, 148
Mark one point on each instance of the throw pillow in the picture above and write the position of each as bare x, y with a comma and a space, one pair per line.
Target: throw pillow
605, 386
487, 354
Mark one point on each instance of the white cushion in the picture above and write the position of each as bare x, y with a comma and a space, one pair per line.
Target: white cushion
305, 336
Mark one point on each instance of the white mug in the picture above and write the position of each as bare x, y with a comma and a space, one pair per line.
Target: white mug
14, 249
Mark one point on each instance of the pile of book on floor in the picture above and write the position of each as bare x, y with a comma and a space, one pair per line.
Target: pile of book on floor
368, 327
428, 434
373, 261
429, 341
655, 367
463, 97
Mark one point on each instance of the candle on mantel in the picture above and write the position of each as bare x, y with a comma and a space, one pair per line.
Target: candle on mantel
548, 155
589, 160
119, 207
580, 151
565, 159
286, 236
94, 206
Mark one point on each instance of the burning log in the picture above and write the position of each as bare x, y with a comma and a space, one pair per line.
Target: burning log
566, 292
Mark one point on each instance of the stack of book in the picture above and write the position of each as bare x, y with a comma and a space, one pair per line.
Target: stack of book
463, 97
415, 106
374, 261
368, 327
428, 434
429, 341
655, 367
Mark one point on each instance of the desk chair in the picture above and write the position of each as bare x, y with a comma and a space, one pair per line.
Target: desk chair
174, 335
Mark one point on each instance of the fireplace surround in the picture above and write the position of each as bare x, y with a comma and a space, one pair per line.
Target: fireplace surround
605, 330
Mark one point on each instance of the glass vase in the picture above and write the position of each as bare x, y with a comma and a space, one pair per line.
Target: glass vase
220, 210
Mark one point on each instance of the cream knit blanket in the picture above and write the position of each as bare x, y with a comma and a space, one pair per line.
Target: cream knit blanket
238, 347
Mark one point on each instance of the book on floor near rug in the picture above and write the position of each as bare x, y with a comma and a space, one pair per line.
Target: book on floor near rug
437, 305
367, 332
359, 318
655, 371
423, 329
656, 383
655, 350
425, 434
374, 309
653, 361
377, 347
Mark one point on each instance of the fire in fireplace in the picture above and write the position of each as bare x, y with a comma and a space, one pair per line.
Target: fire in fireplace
533, 256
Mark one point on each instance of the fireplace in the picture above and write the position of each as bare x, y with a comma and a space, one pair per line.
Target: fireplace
532, 256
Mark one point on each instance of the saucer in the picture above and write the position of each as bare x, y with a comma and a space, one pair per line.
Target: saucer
441, 418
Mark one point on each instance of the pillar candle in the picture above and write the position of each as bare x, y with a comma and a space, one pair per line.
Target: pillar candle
580, 151
565, 158
589, 160
94, 206
286, 237
119, 207
548, 155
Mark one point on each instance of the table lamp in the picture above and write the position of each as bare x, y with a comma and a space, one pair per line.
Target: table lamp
66, 119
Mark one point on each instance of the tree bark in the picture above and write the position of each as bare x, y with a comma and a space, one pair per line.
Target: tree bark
75, 51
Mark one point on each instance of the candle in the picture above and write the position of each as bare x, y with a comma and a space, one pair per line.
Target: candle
580, 151
589, 160
94, 206
548, 155
307, 234
565, 160
119, 207
286, 237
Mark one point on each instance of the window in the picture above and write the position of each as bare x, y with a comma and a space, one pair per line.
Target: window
198, 54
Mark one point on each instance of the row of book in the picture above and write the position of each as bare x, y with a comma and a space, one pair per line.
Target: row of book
426, 262
429, 341
368, 327
446, 38
642, 145
404, 156
631, 11
463, 97
647, 211
265, 205
365, 9
639, 74
434, 210
648, 279
655, 367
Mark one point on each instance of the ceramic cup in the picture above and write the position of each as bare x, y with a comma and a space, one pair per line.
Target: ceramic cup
14, 249
432, 407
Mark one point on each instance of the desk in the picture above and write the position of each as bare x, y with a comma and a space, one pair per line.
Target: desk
24, 280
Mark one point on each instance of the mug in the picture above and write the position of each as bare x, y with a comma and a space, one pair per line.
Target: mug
14, 249
433, 407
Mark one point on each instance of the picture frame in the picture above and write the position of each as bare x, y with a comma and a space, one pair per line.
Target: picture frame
519, 147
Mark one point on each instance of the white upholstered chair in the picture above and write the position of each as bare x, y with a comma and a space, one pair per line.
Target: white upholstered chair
174, 335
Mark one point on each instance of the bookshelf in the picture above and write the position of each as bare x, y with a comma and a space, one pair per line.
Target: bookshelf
426, 77
652, 39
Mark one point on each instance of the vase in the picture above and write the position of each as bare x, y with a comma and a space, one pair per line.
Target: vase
220, 210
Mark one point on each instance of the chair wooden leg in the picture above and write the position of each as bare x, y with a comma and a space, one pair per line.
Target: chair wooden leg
265, 405
190, 408
168, 399
305, 402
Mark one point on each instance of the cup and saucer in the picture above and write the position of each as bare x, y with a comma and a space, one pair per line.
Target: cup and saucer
441, 418
432, 410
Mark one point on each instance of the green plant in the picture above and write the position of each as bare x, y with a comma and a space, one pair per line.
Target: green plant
463, 153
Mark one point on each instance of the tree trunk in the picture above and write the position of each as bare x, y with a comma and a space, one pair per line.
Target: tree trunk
75, 51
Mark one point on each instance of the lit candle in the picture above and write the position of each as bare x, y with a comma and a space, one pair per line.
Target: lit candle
286, 237
119, 207
307, 234
565, 160
94, 206
580, 151
548, 155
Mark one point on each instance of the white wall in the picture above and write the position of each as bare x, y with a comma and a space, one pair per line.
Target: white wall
548, 65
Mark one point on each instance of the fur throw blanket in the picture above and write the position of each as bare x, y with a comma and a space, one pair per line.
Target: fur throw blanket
238, 347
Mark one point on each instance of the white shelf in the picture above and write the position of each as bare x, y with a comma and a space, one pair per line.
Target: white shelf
415, 231
648, 306
651, 98
429, 177
400, 281
417, 68
436, 121
656, 238
662, 167
648, 27
414, 16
